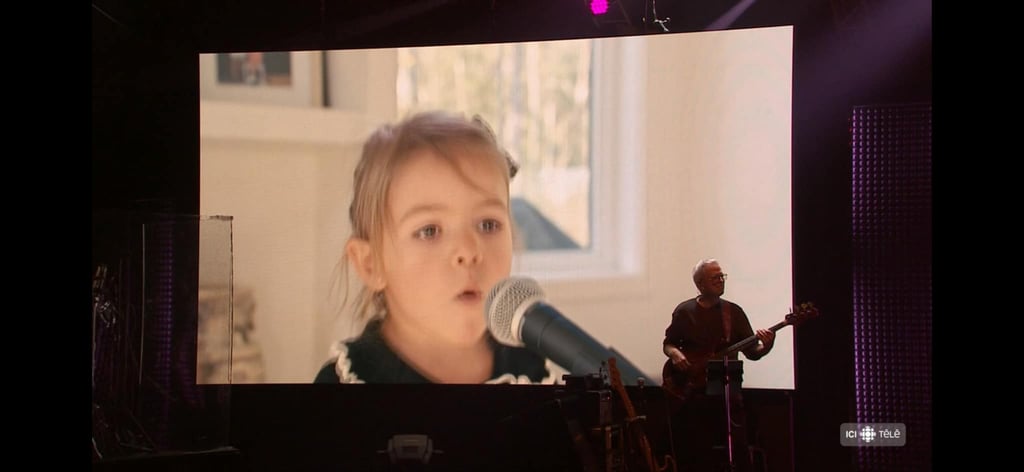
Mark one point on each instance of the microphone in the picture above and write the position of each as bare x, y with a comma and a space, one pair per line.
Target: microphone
518, 316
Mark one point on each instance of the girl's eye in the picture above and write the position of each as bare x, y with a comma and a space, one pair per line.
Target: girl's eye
427, 232
490, 226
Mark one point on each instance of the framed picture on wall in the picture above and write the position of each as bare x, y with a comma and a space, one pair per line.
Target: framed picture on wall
270, 78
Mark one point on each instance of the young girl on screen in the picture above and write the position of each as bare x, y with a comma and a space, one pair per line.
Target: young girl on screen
431, 234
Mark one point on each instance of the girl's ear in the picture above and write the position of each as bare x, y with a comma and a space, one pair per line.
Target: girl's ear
360, 253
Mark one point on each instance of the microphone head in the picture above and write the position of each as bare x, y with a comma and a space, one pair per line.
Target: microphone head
505, 306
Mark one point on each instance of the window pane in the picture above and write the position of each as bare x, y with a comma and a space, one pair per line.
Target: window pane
537, 98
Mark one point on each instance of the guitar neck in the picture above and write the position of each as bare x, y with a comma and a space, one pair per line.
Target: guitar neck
637, 432
749, 341
615, 378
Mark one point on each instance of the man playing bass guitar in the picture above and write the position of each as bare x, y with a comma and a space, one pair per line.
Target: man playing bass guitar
702, 326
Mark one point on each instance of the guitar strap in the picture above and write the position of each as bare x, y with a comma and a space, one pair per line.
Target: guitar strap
726, 322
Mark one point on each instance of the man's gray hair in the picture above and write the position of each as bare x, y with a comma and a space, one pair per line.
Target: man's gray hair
698, 270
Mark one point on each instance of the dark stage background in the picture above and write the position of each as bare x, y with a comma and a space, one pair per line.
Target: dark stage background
850, 215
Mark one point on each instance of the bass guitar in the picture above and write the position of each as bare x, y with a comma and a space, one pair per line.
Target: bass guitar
682, 383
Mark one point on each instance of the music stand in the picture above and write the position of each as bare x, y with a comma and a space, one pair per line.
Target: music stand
723, 375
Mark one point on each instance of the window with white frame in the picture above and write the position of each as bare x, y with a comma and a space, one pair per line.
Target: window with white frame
571, 113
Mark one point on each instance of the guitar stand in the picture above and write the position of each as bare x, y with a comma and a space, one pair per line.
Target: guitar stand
724, 375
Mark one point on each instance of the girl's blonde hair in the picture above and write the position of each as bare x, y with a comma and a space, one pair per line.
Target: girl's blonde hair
383, 152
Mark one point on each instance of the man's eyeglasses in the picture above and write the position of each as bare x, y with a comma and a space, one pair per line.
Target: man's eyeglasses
721, 277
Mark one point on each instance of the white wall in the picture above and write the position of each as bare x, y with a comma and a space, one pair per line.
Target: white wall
716, 184
718, 127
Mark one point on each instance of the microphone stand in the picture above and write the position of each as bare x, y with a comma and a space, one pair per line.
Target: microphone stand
728, 412
722, 383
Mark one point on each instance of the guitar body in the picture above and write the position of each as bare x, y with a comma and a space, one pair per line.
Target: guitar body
683, 383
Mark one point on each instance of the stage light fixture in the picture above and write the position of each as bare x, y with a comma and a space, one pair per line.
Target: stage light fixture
610, 14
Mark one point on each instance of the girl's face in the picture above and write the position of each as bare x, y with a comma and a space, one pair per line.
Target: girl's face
448, 240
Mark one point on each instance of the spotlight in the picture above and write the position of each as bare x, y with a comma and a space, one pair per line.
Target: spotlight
610, 13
